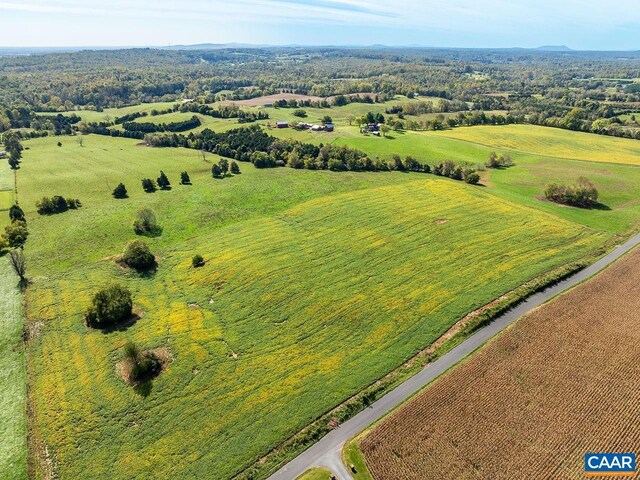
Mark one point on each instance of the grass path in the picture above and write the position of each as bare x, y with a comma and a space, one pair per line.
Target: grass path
13, 425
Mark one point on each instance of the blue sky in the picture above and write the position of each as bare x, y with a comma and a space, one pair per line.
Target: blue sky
581, 24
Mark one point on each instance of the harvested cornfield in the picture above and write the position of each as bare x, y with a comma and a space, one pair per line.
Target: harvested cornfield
561, 382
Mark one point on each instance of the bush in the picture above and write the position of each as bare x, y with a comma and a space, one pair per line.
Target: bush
110, 305
197, 261
137, 255
148, 185
300, 113
142, 365
145, 222
56, 204
120, 191
15, 235
473, 178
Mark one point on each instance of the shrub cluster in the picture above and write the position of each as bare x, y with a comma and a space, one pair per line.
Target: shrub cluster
138, 255
149, 127
582, 194
142, 365
56, 204
110, 305
495, 161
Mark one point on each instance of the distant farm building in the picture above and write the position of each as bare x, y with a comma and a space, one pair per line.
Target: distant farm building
317, 128
372, 127
187, 100
282, 124
3, 154
328, 127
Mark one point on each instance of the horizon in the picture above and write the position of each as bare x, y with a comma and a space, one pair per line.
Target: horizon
483, 24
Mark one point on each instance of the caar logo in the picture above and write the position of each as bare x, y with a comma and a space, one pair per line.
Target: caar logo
609, 464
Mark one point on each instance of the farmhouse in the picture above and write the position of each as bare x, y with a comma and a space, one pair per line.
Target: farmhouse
328, 127
317, 128
282, 124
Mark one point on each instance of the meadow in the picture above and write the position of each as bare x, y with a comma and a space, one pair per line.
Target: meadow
552, 142
312, 279
560, 382
13, 433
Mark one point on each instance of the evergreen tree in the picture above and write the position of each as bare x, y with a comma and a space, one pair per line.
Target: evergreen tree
216, 171
163, 181
16, 213
120, 191
224, 165
184, 178
148, 185
235, 169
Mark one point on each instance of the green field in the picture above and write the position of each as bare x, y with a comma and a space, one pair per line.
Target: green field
316, 284
13, 431
552, 142
316, 474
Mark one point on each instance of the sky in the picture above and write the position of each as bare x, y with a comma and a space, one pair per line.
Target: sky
579, 24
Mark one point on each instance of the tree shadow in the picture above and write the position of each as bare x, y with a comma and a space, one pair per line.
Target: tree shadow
144, 388
122, 326
153, 233
600, 206
23, 284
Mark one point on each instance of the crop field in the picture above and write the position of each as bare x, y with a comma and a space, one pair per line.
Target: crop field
553, 142
254, 338
560, 382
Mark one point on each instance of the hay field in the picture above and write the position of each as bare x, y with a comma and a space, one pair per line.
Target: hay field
316, 284
560, 382
552, 142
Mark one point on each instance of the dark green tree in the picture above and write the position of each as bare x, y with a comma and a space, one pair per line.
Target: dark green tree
16, 213
120, 191
148, 185
163, 181
112, 304
216, 171
235, 168
138, 255
185, 179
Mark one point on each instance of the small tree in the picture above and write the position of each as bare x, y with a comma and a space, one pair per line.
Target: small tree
120, 191
137, 255
16, 234
148, 185
142, 365
197, 261
492, 161
112, 304
396, 163
145, 222
216, 171
326, 119
235, 168
185, 179
14, 164
16, 213
224, 165
163, 181
17, 261
300, 113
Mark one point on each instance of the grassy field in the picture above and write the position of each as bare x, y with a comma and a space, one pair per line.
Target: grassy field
316, 284
560, 382
618, 184
552, 142
316, 474
13, 422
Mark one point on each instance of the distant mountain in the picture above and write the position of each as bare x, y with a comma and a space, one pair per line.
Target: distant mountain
212, 46
555, 48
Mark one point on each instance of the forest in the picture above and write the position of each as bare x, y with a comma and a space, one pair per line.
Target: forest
586, 91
